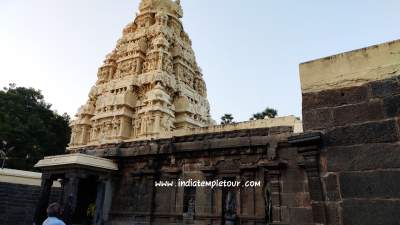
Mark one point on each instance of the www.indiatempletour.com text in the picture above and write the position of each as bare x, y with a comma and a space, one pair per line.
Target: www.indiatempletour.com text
204, 183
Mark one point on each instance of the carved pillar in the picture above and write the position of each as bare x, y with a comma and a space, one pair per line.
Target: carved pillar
157, 122
274, 176
138, 66
247, 195
309, 148
209, 174
40, 212
311, 165
149, 177
173, 174
85, 134
272, 190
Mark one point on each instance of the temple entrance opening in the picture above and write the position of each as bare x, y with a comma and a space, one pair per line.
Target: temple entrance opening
86, 203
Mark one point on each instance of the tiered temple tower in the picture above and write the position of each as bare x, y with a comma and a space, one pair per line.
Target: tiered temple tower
149, 84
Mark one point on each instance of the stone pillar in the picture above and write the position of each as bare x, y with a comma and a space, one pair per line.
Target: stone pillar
274, 176
209, 174
100, 201
70, 196
272, 187
85, 134
149, 177
311, 165
157, 122
247, 206
40, 212
309, 149
108, 192
173, 175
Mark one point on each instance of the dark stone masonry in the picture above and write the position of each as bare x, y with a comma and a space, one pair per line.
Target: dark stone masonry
360, 154
18, 203
263, 155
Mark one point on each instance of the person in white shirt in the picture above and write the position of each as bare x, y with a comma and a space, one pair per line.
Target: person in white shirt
53, 212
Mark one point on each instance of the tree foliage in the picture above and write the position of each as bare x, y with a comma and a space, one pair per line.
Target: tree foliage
227, 119
268, 112
29, 126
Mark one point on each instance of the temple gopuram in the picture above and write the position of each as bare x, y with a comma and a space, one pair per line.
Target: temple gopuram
148, 86
147, 124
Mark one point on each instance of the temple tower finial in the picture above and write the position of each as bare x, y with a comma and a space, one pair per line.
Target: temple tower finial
172, 7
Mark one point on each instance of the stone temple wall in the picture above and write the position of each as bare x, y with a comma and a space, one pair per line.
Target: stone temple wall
354, 100
263, 155
19, 194
342, 170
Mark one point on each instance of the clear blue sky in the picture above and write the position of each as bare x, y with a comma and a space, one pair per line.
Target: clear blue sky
249, 50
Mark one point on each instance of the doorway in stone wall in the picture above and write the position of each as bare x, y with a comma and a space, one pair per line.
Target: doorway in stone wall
86, 201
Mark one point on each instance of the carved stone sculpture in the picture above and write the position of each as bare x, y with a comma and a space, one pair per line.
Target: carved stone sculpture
268, 202
230, 208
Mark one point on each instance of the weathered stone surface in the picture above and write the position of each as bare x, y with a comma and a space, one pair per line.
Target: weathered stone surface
331, 188
233, 155
294, 186
350, 69
392, 106
372, 132
300, 215
385, 88
334, 97
297, 199
377, 184
19, 201
371, 212
315, 188
357, 113
317, 119
333, 213
364, 157
291, 174
353, 99
319, 212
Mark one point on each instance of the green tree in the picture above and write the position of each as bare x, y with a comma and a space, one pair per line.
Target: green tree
268, 112
30, 127
227, 119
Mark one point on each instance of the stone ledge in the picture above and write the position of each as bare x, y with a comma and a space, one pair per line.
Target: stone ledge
77, 159
352, 68
22, 177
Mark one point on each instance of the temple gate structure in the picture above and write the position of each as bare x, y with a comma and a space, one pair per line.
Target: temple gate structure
147, 121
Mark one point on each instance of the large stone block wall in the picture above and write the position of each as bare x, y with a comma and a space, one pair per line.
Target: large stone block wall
19, 194
354, 100
258, 154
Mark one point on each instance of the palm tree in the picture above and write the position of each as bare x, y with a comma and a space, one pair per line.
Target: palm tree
226, 119
268, 112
